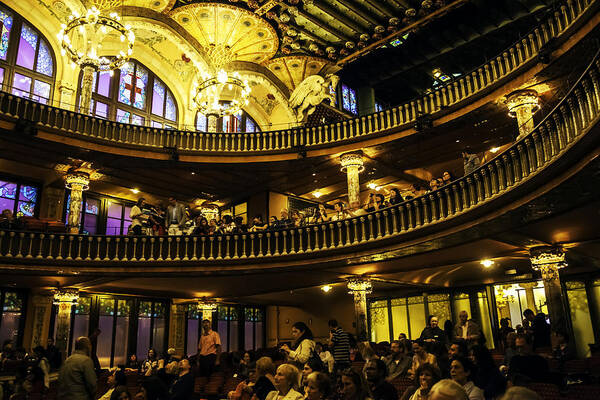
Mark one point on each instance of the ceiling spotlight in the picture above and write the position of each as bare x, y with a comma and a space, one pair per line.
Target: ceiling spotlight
135, 190
193, 173
317, 194
457, 141
326, 288
314, 174
494, 149
372, 185
487, 263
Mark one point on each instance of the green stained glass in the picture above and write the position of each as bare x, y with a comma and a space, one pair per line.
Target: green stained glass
83, 305
12, 302
107, 306
193, 312
233, 314
145, 309
159, 310
399, 302
415, 300
124, 308
222, 312
249, 314
378, 304
258, 315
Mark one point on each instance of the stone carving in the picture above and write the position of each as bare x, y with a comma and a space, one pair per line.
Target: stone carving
310, 93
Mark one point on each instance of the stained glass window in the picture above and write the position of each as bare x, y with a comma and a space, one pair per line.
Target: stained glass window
21, 85
103, 83
24, 204
250, 126
137, 120
125, 84
333, 94
201, 123
349, 99
10, 316
156, 124
158, 99
123, 116
27, 47
44, 60
41, 91
1, 76
6, 22
171, 109
378, 107
141, 80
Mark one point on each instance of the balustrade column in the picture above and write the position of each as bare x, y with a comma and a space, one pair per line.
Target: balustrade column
522, 104
352, 165
359, 288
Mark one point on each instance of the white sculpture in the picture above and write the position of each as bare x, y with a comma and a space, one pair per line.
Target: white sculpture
311, 92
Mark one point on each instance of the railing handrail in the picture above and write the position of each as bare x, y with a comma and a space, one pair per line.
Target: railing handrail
564, 126
289, 140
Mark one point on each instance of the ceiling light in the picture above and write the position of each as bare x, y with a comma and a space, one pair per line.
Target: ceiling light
494, 149
487, 263
193, 173
135, 190
372, 185
457, 141
317, 194
326, 288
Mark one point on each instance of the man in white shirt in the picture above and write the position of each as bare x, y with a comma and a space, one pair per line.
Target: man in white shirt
175, 217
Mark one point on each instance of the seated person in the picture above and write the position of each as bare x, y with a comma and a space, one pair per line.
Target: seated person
526, 367
8, 220
257, 224
152, 364
379, 388
133, 364
398, 362
461, 371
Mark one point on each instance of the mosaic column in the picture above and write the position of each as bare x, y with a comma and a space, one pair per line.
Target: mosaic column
352, 165
177, 328
528, 286
206, 308
522, 105
42, 309
65, 299
548, 260
359, 288
212, 122
87, 87
78, 182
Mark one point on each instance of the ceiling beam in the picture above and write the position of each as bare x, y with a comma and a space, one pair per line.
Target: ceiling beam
339, 17
358, 12
323, 25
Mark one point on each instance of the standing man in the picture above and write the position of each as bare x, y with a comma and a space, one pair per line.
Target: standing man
209, 349
467, 329
53, 354
77, 378
339, 345
175, 217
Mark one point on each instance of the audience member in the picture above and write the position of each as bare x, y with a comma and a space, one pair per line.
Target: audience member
446, 178
352, 387
9, 221
114, 380
504, 330
77, 378
152, 364
286, 384
257, 224
433, 337
421, 356
397, 363
341, 212
209, 349
520, 393
153, 388
176, 217
379, 388
395, 197
284, 219
138, 218
318, 387
339, 343
53, 354
462, 371
511, 347
312, 365
471, 162
43, 364
303, 345
133, 364
202, 227
561, 351
326, 357
297, 219
244, 366
447, 389
541, 331
183, 387
526, 367
466, 328
426, 376
265, 379
449, 331
487, 376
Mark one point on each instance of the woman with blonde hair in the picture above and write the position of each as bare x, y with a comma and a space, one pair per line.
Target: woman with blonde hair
447, 389
287, 380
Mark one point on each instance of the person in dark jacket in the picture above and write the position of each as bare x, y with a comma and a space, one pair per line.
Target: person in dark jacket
379, 388
487, 376
183, 387
77, 377
434, 338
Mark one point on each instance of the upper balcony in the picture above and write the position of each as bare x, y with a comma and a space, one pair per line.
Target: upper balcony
561, 145
502, 74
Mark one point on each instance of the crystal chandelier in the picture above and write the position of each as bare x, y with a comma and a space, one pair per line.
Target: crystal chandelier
62, 296
360, 284
222, 85
82, 37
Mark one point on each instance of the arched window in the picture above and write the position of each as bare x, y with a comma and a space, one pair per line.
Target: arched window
26, 59
241, 122
133, 95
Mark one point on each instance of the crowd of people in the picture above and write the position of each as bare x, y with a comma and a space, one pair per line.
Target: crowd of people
450, 363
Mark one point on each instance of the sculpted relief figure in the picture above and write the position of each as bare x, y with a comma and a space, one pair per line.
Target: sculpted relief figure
310, 93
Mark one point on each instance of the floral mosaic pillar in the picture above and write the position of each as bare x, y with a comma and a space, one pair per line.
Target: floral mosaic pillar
177, 328
78, 182
212, 122
42, 309
352, 165
359, 288
86, 88
64, 299
522, 105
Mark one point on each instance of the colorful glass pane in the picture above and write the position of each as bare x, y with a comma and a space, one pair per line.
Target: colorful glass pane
103, 83
27, 47
171, 109
249, 314
137, 120
158, 98
145, 309
8, 190
44, 60
156, 124
250, 126
25, 209
378, 107
123, 116
41, 91
193, 312
233, 314
333, 95
258, 315
83, 305
141, 81
1, 77
222, 312
107, 306
12, 302
201, 122
349, 99
126, 84
91, 206
21, 85
159, 310
101, 110
28, 193
123, 308
5, 26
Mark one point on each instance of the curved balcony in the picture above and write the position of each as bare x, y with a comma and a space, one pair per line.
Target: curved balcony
559, 139
61, 125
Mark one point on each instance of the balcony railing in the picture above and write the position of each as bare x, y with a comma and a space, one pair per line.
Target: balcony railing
565, 125
80, 126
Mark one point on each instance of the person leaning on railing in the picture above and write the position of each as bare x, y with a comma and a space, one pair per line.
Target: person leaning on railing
9, 221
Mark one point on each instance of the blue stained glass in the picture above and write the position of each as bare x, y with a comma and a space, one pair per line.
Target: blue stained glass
25, 209
8, 190
141, 81
123, 116
44, 60
28, 193
91, 206
171, 109
125, 85
250, 126
332, 93
158, 98
349, 99
201, 122
27, 47
6, 24
156, 124
378, 107
41, 90
137, 120
1, 76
